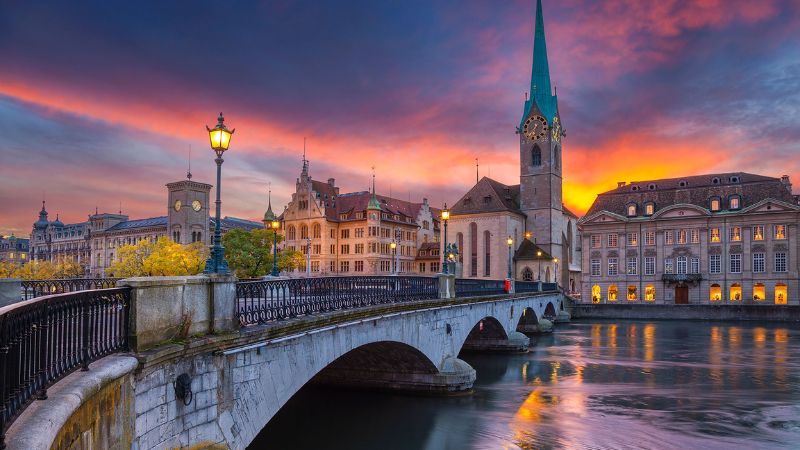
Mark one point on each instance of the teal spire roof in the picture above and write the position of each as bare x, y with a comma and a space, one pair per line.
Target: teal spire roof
269, 216
541, 90
373, 202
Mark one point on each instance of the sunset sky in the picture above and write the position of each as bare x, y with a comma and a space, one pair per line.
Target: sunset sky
100, 103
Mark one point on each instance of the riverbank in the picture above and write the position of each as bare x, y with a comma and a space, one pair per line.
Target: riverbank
776, 313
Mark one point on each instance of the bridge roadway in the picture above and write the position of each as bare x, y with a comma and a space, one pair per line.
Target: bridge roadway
239, 381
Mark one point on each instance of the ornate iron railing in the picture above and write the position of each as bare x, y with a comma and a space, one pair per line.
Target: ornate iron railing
467, 287
270, 300
37, 288
43, 340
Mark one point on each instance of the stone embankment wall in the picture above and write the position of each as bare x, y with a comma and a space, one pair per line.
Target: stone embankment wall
783, 313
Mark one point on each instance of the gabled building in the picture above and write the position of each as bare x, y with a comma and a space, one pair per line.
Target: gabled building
14, 250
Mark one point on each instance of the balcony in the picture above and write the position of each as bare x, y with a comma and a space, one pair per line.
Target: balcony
681, 277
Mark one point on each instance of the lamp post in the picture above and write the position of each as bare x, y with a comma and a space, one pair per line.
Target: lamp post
393, 246
445, 218
220, 139
308, 257
555, 260
539, 263
275, 224
510, 243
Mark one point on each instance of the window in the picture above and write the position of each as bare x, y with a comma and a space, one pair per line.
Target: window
333, 234
780, 231
759, 264
359, 232
426, 225
781, 294
612, 293
736, 292
595, 268
633, 239
345, 249
694, 236
736, 263
649, 293
612, 266
780, 262
333, 266
668, 267
649, 209
632, 210
317, 249
344, 266
435, 266
682, 264
694, 265
315, 266
669, 237
317, 231
715, 294
291, 233
633, 264
303, 231
715, 235
681, 236
536, 156
595, 238
715, 263
487, 257
735, 202
715, 204
649, 265
632, 293
649, 238
345, 234
596, 294
421, 267
333, 249
759, 292
758, 233
359, 266
612, 240
527, 273
735, 234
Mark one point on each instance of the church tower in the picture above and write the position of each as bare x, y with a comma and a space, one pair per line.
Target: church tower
540, 151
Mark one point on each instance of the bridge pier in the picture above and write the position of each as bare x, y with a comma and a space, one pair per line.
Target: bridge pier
516, 342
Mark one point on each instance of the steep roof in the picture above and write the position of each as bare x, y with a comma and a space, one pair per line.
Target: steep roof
528, 251
228, 223
486, 196
695, 190
541, 90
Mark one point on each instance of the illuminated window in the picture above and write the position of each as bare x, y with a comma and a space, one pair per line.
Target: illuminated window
632, 210
715, 235
735, 234
681, 236
694, 236
715, 294
650, 238
715, 204
649, 293
669, 237
781, 294
595, 238
631, 293
735, 202
780, 231
759, 292
633, 239
612, 240
736, 292
612, 293
758, 233
595, 294
649, 209
11, 255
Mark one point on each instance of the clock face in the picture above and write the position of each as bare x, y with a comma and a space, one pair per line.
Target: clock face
556, 130
535, 128
178, 205
196, 205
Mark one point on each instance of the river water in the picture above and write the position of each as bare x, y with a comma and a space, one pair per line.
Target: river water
598, 385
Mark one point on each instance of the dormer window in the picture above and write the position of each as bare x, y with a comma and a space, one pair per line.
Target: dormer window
487, 199
635, 188
649, 208
683, 183
735, 202
651, 186
715, 204
734, 179
715, 180
632, 210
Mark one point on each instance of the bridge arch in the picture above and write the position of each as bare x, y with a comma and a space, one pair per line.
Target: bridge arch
550, 311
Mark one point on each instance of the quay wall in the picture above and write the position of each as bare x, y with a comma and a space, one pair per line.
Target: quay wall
780, 313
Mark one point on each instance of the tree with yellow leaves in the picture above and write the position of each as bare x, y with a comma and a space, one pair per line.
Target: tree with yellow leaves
160, 258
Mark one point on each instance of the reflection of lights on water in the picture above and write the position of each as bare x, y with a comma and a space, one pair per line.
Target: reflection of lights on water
734, 336
554, 374
525, 372
649, 342
760, 337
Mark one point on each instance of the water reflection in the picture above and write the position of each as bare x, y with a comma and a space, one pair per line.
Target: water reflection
654, 385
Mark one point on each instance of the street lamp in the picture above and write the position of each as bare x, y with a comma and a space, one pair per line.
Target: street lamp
510, 243
393, 246
555, 260
308, 257
445, 218
274, 225
220, 138
539, 263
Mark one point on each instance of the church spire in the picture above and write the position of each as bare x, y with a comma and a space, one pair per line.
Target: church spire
269, 216
541, 90
373, 202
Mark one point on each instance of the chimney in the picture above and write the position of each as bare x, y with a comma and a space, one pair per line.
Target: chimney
620, 184
786, 183
331, 181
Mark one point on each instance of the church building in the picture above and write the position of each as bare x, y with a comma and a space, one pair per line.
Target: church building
543, 231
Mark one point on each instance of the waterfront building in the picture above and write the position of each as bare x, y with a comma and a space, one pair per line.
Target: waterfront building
352, 233
491, 211
727, 238
14, 250
95, 243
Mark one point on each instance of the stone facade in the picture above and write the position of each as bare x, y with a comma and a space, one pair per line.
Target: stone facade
352, 233
14, 250
727, 239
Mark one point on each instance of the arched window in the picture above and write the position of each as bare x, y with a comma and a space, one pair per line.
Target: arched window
460, 243
536, 155
595, 294
715, 294
781, 294
649, 208
632, 210
291, 233
556, 156
612, 293
759, 292
736, 292
303, 231
487, 248
632, 292
527, 274
473, 249
317, 231
714, 203
649, 293
735, 202
547, 275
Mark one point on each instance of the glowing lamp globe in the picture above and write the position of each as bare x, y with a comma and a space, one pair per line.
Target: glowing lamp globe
275, 224
220, 136
510, 241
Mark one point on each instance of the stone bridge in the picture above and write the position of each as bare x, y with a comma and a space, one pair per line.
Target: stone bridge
239, 380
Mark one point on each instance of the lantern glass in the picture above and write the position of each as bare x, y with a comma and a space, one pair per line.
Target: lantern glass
393, 245
220, 139
275, 224
445, 214
510, 241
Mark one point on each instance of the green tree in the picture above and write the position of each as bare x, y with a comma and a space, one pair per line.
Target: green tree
36, 270
289, 259
249, 253
160, 258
